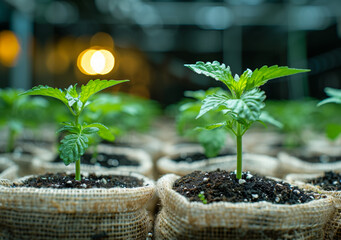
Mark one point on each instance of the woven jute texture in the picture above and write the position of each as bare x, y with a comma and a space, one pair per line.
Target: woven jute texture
333, 227
256, 163
181, 219
116, 213
8, 170
291, 164
145, 163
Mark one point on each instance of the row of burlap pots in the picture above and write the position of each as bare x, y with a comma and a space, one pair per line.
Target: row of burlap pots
256, 163
25, 155
181, 219
145, 163
333, 228
8, 170
45, 213
292, 164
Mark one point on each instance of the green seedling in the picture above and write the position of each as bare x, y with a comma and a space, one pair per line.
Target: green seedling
211, 140
75, 142
202, 198
18, 112
333, 129
244, 102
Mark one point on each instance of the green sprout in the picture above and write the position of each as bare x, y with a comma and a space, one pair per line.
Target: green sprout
202, 198
333, 129
244, 102
75, 142
18, 112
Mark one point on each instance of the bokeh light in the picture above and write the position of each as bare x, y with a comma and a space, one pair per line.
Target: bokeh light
9, 48
95, 61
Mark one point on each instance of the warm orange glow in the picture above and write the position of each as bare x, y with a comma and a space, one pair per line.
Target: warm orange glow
102, 39
9, 48
93, 61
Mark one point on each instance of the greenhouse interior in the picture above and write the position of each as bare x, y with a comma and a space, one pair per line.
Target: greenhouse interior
170, 119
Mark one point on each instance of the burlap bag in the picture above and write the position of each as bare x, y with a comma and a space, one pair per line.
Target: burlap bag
181, 219
25, 157
116, 213
8, 170
256, 163
145, 163
291, 164
333, 227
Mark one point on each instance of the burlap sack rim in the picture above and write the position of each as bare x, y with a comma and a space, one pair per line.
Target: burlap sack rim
66, 200
299, 166
197, 213
37, 152
167, 165
9, 169
139, 155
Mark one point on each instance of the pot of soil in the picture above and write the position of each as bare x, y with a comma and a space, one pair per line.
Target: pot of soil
8, 170
145, 142
55, 206
328, 183
107, 159
24, 155
308, 162
251, 208
189, 158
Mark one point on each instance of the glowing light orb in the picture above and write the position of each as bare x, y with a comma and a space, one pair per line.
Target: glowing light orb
93, 61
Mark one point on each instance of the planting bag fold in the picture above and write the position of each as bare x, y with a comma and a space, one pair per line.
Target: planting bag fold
181, 219
46, 213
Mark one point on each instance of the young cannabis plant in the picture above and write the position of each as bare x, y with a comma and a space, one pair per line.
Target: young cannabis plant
333, 129
75, 143
244, 102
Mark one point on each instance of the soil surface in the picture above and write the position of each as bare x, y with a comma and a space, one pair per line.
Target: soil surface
330, 181
63, 180
105, 160
221, 185
320, 159
194, 157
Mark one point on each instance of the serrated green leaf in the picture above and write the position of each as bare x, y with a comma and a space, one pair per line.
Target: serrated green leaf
212, 102
248, 107
260, 76
90, 130
68, 127
103, 131
212, 141
266, 117
94, 86
72, 147
215, 70
47, 91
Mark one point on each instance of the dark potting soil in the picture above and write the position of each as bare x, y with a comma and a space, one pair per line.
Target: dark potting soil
194, 157
63, 180
105, 160
330, 181
221, 185
320, 159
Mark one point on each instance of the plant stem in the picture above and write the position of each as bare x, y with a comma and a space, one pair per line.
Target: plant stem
239, 151
11, 140
78, 162
78, 170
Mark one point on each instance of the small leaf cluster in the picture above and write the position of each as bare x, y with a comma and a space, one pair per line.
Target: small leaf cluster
333, 130
211, 140
75, 143
18, 112
202, 197
244, 101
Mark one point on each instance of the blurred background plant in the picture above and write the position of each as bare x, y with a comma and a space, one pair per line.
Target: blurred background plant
19, 112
